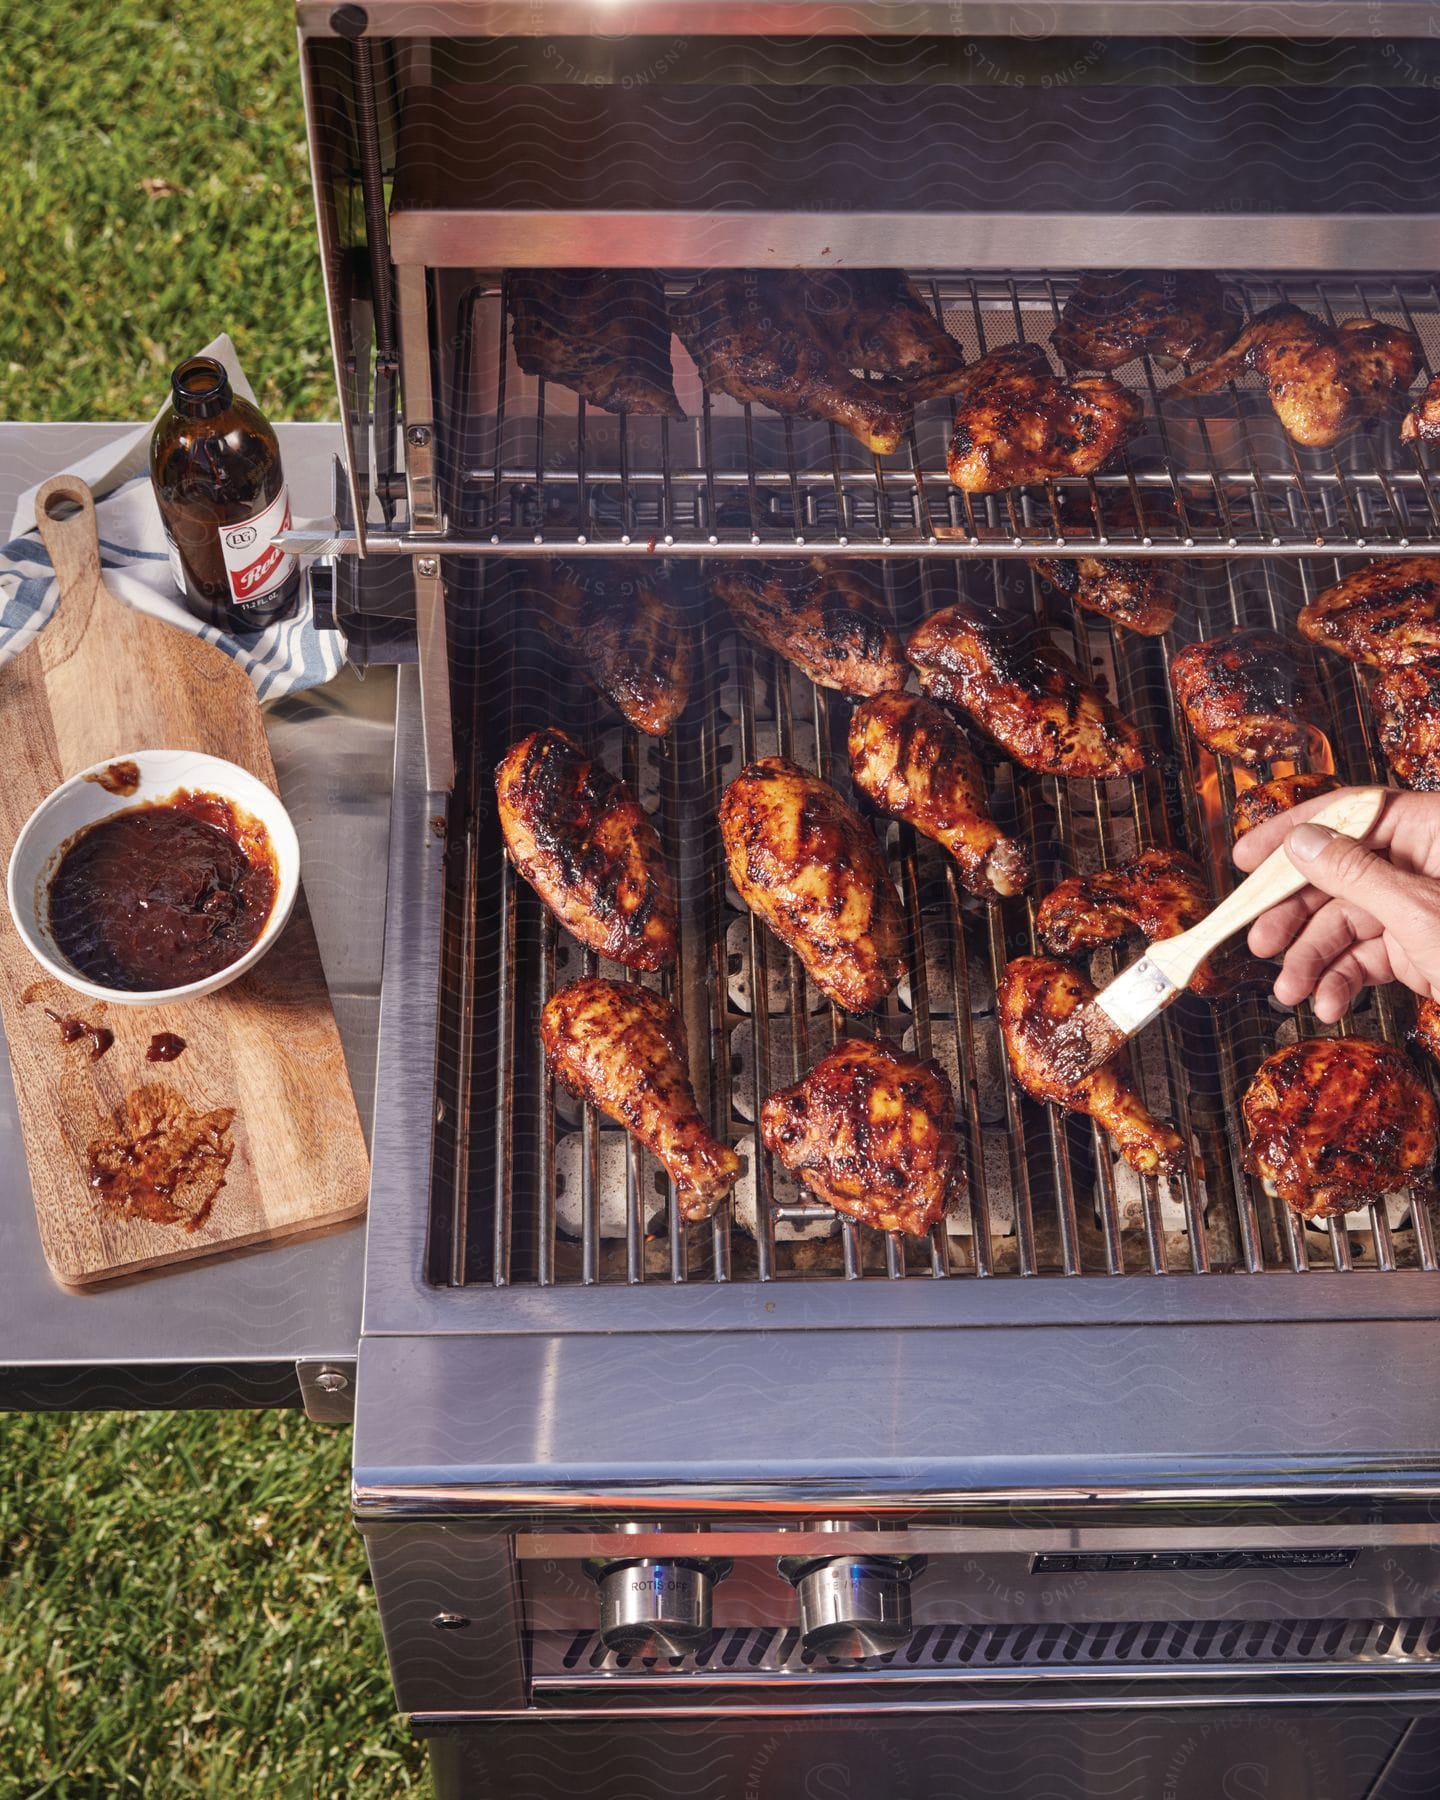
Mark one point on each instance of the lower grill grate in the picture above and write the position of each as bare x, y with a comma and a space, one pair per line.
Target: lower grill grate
533, 1190
1114, 1647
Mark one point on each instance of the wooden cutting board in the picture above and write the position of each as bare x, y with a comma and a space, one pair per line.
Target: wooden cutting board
100, 680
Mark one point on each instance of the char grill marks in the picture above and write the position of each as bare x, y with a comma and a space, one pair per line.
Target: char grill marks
1036, 996
1112, 319
588, 848
1140, 593
1031, 700
871, 1132
1016, 421
911, 760
808, 864
1267, 798
626, 636
1322, 380
1335, 1123
819, 616
622, 1048
1248, 695
605, 333
1384, 614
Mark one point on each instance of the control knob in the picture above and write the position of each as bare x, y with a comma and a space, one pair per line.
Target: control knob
656, 1606
853, 1606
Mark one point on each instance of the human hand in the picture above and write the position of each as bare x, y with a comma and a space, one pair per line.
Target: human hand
1371, 913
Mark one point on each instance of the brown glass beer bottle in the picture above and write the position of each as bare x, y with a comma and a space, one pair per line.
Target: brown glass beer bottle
215, 466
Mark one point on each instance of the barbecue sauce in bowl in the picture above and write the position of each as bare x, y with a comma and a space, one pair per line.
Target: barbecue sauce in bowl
162, 895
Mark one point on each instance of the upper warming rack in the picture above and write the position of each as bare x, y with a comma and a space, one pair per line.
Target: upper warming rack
533, 471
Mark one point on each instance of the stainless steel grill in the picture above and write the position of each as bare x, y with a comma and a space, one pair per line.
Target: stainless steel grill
537, 472
534, 1190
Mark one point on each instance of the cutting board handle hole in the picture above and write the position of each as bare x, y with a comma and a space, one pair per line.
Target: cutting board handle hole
62, 505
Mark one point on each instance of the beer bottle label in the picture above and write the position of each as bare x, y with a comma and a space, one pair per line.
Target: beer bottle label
254, 563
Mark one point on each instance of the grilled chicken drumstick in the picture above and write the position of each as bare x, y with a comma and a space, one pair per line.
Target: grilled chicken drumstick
626, 636
871, 1131
1036, 995
1159, 894
604, 333
910, 759
877, 322
1323, 380
1384, 614
1111, 319
1337, 1122
1016, 421
1267, 798
810, 867
622, 1048
820, 617
1406, 704
588, 848
1248, 695
1034, 703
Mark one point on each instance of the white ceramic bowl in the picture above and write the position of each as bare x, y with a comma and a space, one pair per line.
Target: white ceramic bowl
83, 801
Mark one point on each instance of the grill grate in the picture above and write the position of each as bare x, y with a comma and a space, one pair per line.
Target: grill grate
532, 1189
536, 471
1108, 1647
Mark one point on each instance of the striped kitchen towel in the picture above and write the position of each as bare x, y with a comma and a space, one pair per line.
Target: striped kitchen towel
281, 659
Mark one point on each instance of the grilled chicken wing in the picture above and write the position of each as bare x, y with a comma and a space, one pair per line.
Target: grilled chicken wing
626, 636
818, 616
910, 760
1036, 995
1406, 704
587, 847
871, 1131
1384, 614
1337, 1122
1267, 798
622, 1048
1137, 592
877, 322
1421, 425
1247, 695
810, 867
1030, 699
1323, 380
1159, 893
1111, 319
604, 333
756, 335
1016, 421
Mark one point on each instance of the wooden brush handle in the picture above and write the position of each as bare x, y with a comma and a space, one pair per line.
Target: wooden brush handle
1352, 814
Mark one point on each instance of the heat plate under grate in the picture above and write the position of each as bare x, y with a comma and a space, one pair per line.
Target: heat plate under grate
1093, 1650
533, 1189
535, 471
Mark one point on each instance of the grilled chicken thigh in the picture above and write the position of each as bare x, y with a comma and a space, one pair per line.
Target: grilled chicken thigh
1427, 1027
622, 1048
1421, 425
1337, 1122
819, 616
1036, 995
871, 1131
604, 333
1016, 421
587, 847
1137, 592
1111, 319
1406, 704
1030, 699
1267, 798
756, 335
1247, 695
1384, 614
626, 636
910, 760
1159, 894
810, 867
1323, 380
877, 322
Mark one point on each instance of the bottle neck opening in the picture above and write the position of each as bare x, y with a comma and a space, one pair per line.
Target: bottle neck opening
200, 388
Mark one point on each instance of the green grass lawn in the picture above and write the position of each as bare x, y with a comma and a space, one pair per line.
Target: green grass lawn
183, 1608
